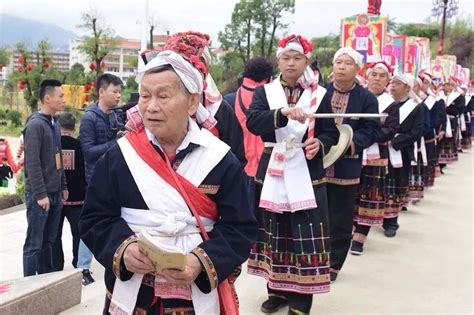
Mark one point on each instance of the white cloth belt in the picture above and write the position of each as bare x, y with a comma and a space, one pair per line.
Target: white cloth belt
179, 223
371, 153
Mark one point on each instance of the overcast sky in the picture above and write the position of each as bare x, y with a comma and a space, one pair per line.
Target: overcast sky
312, 17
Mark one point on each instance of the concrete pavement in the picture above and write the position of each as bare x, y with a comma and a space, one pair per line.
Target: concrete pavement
425, 269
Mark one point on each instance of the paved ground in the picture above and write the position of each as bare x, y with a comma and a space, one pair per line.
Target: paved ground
425, 269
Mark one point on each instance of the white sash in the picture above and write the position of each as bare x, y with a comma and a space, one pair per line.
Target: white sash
462, 122
373, 152
293, 190
169, 217
449, 130
424, 156
430, 101
468, 98
385, 100
395, 157
406, 109
451, 97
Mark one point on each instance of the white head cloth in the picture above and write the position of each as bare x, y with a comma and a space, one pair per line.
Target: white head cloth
357, 57
380, 65
187, 73
409, 80
292, 45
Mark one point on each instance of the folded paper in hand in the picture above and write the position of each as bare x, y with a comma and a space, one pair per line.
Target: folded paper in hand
162, 256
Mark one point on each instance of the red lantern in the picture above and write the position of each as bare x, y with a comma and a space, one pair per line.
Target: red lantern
21, 59
102, 64
45, 64
29, 67
92, 66
20, 69
87, 87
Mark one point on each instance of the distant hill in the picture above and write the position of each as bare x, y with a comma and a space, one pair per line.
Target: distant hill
15, 29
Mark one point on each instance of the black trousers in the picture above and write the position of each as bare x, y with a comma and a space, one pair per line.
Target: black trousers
72, 213
391, 223
361, 229
341, 201
298, 303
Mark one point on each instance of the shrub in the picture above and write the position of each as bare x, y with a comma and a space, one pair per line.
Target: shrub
15, 118
20, 185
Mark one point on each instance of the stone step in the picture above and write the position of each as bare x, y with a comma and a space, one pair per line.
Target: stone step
44, 294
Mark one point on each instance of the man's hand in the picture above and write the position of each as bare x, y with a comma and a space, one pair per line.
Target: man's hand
312, 147
65, 195
135, 261
44, 203
441, 135
187, 276
295, 113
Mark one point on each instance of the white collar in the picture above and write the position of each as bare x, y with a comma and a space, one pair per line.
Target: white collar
192, 136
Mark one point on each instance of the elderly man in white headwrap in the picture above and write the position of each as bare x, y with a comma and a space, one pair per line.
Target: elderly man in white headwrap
178, 187
371, 201
402, 148
290, 196
345, 95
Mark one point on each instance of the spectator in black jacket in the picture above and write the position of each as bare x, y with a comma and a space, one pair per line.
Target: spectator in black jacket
100, 124
75, 176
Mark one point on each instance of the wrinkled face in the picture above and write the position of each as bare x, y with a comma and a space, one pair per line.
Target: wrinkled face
165, 105
398, 89
416, 87
110, 96
55, 99
377, 80
426, 85
448, 87
344, 68
292, 65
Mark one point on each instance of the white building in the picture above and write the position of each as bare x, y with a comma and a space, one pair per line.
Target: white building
122, 61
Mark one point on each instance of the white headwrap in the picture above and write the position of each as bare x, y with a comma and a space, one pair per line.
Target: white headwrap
292, 45
187, 73
409, 80
357, 57
380, 65
192, 79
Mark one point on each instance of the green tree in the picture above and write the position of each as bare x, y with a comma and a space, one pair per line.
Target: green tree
4, 57
430, 31
392, 26
460, 40
76, 75
32, 71
324, 49
99, 43
253, 27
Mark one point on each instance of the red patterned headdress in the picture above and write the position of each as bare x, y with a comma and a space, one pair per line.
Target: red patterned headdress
294, 42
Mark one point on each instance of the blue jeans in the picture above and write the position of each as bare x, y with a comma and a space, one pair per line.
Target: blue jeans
41, 233
85, 256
